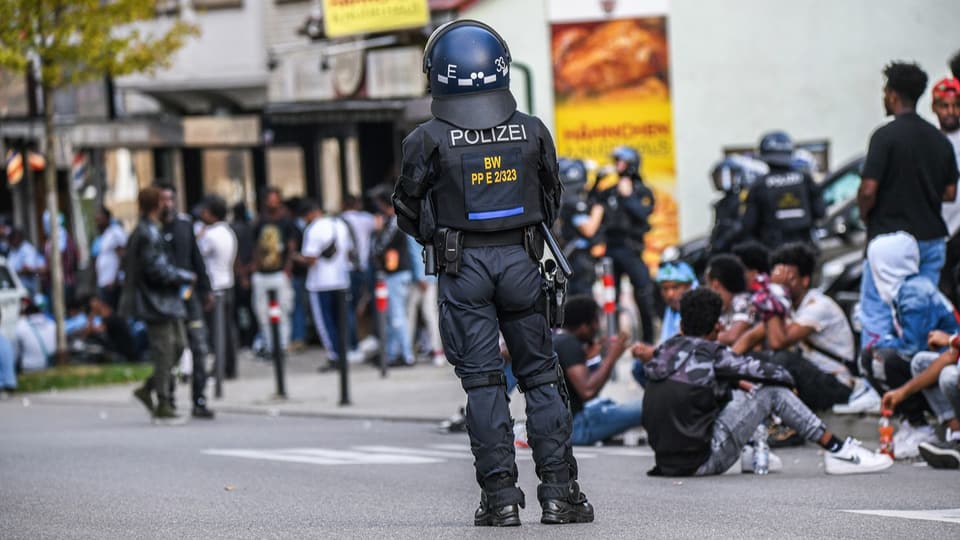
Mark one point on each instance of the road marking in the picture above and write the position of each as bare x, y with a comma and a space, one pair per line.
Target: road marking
394, 455
947, 515
325, 456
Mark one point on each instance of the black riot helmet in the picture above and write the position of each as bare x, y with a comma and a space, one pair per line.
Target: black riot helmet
776, 148
573, 174
468, 72
632, 158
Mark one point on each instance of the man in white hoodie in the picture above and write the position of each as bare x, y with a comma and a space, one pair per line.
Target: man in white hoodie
918, 308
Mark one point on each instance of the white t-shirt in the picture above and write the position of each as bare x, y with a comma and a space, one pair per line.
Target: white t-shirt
36, 341
327, 274
218, 245
951, 210
831, 332
362, 224
108, 261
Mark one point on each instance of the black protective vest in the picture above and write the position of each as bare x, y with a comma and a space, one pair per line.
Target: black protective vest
487, 180
787, 201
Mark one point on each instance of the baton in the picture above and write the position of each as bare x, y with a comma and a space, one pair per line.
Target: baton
554, 248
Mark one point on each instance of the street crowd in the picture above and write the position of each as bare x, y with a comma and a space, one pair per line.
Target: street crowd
750, 341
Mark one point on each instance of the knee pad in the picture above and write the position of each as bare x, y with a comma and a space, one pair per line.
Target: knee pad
540, 379
480, 380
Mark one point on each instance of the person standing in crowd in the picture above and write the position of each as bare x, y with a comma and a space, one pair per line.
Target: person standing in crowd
626, 210
733, 177
393, 256
488, 248
585, 372
699, 409
218, 245
25, 260
181, 244
946, 106
910, 169
243, 319
423, 302
362, 224
275, 243
298, 278
108, 249
153, 293
783, 205
326, 243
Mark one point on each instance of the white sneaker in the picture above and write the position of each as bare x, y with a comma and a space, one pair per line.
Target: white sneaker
356, 356
863, 399
852, 458
907, 439
746, 461
439, 359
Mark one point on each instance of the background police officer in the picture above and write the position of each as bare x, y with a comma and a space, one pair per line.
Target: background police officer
581, 217
475, 181
627, 207
733, 177
784, 204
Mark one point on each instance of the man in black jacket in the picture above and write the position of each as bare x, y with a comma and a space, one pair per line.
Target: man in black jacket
153, 292
184, 253
703, 402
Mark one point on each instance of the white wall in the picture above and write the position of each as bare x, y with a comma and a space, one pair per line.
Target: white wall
742, 67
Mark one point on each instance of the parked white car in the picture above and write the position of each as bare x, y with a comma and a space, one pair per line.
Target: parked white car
11, 295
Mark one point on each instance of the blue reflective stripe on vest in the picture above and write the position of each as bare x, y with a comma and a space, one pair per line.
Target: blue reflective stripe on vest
474, 216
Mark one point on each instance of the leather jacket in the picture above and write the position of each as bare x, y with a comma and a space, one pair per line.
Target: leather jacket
151, 291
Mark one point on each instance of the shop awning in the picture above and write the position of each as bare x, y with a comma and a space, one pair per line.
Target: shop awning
356, 110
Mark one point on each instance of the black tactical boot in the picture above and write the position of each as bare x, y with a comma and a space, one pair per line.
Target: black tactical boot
575, 508
503, 516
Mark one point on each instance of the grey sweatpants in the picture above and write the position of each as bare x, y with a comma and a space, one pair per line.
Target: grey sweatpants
739, 420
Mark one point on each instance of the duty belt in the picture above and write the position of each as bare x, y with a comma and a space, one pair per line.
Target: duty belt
512, 237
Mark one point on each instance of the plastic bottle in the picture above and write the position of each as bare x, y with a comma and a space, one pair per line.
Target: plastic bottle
886, 433
761, 451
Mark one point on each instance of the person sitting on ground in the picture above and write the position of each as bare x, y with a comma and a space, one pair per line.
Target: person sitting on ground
813, 341
936, 375
674, 278
918, 308
703, 402
36, 336
585, 372
755, 258
726, 276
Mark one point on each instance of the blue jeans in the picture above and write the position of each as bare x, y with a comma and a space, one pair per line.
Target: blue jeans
298, 319
323, 305
398, 338
8, 374
876, 317
603, 418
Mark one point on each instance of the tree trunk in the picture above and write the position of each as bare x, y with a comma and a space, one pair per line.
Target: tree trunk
56, 261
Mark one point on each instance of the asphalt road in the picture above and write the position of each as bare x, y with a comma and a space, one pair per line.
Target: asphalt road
89, 472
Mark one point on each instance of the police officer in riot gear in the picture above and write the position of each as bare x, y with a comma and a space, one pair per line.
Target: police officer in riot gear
627, 207
581, 218
475, 183
784, 204
732, 178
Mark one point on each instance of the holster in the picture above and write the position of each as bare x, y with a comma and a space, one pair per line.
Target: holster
451, 250
533, 243
429, 255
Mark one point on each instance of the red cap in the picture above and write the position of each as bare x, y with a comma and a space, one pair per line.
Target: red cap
887, 412
945, 87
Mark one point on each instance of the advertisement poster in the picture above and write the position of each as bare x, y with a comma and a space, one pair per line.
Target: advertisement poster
349, 17
611, 82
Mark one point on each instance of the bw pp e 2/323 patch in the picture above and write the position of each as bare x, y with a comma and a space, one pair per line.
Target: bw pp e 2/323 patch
491, 181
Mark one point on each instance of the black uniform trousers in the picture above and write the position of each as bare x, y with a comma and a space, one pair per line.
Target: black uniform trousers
628, 261
584, 273
499, 288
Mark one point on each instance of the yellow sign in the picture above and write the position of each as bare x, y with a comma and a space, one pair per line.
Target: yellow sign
348, 17
611, 87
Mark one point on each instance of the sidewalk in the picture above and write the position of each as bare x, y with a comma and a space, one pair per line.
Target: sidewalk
423, 393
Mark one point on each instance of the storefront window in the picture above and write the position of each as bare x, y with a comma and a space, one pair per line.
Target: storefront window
285, 170
127, 172
229, 174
